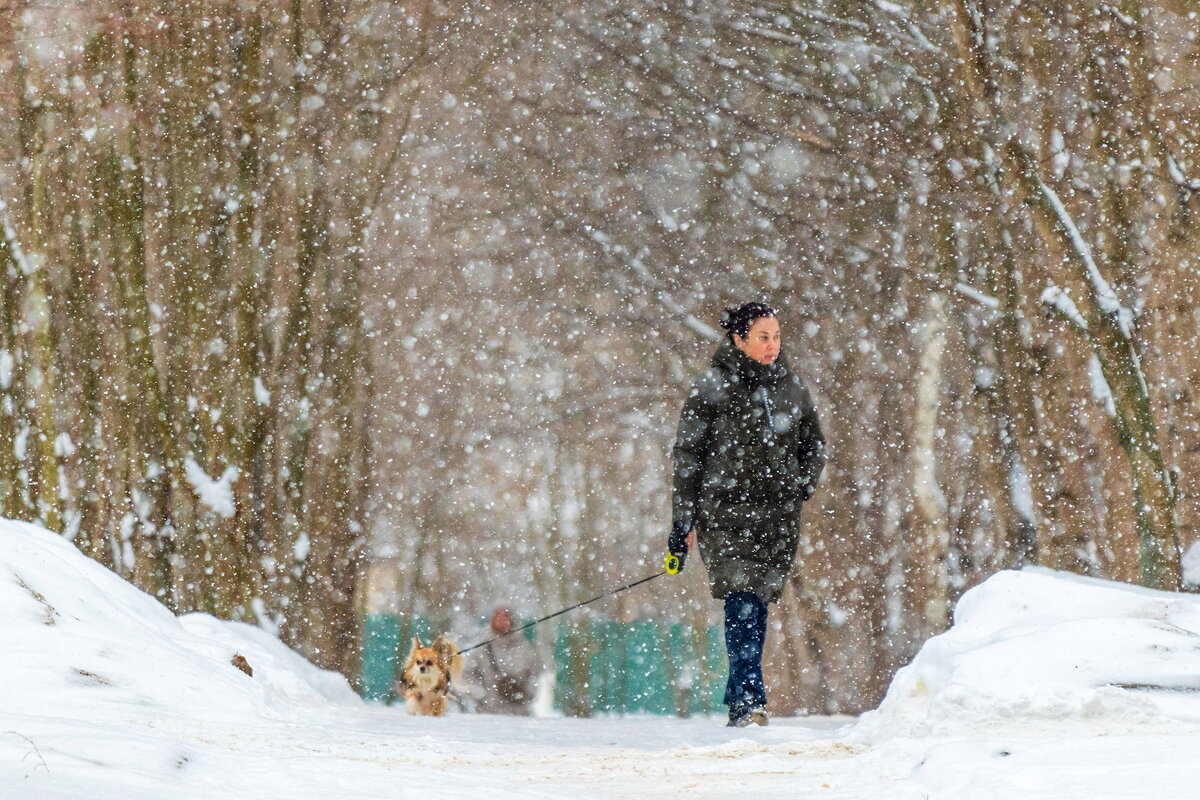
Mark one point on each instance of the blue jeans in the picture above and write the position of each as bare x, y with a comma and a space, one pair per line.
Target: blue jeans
745, 632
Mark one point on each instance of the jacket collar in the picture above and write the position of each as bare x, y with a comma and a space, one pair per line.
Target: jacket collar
746, 370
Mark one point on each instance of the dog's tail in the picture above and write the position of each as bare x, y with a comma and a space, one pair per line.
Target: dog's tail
448, 651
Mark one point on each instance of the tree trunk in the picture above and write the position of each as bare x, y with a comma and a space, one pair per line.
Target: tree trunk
1108, 322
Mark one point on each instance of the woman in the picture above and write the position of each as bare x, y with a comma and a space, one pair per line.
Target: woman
748, 453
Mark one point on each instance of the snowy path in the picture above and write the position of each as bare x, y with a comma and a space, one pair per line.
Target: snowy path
383, 753
376, 753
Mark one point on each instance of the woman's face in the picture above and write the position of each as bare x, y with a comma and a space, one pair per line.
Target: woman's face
762, 341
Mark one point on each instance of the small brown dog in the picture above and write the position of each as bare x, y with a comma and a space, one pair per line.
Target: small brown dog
427, 676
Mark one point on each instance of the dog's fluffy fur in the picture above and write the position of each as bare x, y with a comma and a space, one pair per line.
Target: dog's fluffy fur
427, 676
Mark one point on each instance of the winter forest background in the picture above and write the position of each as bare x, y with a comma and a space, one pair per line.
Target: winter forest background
313, 307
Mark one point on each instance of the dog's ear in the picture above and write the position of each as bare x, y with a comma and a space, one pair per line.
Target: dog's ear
445, 648
417, 643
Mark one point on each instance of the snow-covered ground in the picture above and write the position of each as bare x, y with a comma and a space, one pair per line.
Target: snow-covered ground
1048, 686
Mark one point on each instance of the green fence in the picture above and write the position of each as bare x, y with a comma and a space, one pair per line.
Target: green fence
600, 667
384, 638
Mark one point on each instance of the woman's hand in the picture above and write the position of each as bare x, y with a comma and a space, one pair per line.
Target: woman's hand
678, 544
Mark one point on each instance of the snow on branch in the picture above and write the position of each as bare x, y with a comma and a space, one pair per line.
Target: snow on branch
664, 298
979, 297
1179, 177
1121, 16
767, 33
1102, 290
820, 16
14, 244
1101, 391
216, 494
1060, 301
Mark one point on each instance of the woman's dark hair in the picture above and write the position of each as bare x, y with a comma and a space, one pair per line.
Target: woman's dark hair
739, 318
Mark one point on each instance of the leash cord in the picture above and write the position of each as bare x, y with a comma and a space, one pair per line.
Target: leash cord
557, 613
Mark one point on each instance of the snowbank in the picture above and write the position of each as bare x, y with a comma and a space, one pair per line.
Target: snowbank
76, 635
1043, 648
1048, 687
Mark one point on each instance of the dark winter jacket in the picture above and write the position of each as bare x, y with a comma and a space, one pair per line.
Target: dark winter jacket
748, 453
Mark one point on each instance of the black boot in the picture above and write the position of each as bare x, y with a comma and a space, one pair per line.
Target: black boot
739, 717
